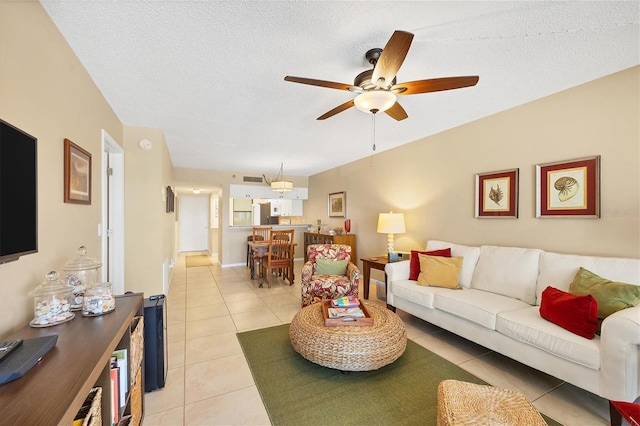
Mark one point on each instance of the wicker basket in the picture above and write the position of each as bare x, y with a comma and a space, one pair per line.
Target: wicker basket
463, 403
90, 413
136, 399
137, 346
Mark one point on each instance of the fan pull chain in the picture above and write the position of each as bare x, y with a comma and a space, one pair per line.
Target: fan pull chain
373, 138
374, 131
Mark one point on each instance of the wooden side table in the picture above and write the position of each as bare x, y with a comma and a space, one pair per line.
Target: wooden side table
376, 263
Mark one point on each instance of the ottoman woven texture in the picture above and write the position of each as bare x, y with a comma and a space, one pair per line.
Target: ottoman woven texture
361, 348
463, 403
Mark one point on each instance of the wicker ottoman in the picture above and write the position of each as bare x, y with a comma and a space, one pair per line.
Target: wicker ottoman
360, 348
462, 403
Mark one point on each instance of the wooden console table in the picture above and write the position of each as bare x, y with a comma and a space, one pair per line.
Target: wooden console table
54, 390
378, 263
369, 263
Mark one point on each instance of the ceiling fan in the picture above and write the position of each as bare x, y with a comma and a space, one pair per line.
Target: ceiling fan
377, 89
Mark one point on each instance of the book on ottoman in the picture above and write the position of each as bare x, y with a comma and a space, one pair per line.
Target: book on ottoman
345, 320
345, 302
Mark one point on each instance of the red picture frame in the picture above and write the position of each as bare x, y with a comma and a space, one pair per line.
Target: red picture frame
497, 194
568, 188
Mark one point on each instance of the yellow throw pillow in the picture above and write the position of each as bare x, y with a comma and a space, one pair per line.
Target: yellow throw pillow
437, 271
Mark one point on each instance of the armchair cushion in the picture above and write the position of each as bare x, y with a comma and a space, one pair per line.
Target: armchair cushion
331, 267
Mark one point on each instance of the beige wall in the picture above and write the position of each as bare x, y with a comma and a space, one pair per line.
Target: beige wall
432, 180
149, 229
45, 91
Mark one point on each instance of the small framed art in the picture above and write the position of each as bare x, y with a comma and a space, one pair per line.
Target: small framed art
497, 194
568, 188
337, 204
77, 174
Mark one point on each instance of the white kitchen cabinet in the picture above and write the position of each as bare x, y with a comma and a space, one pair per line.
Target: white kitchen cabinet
249, 191
300, 194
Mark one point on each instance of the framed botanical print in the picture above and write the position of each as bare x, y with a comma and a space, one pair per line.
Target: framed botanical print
337, 204
497, 194
568, 188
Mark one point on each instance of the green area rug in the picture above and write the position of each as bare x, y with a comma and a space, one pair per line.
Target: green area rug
298, 392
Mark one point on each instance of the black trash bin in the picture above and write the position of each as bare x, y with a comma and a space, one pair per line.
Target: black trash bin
155, 342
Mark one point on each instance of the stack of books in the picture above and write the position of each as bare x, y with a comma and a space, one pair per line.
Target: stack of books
346, 306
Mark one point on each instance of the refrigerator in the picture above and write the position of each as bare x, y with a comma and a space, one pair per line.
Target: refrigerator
155, 342
265, 213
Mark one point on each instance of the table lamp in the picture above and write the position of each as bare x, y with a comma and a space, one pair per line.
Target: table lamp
391, 223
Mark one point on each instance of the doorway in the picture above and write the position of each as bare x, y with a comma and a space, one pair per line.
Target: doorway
193, 223
112, 227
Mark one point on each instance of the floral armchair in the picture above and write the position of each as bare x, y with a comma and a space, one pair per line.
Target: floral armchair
316, 288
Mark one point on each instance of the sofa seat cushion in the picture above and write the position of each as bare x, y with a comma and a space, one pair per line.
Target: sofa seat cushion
477, 306
419, 294
527, 326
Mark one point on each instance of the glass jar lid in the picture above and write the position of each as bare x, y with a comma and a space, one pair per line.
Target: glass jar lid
52, 285
82, 262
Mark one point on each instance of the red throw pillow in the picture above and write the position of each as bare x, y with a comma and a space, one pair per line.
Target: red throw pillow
578, 314
414, 266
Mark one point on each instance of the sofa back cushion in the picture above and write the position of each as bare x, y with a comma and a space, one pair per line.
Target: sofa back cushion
469, 258
558, 270
509, 271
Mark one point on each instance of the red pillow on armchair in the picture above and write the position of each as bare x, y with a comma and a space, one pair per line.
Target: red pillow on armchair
578, 314
414, 265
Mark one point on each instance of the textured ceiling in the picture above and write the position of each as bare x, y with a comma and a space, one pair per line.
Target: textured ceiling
211, 74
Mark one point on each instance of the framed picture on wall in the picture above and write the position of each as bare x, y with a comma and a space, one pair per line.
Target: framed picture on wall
497, 194
337, 204
568, 188
77, 174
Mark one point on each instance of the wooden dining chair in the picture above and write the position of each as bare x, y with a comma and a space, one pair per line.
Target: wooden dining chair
279, 256
259, 233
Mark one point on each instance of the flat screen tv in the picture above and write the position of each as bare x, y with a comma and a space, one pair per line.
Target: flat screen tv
18, 193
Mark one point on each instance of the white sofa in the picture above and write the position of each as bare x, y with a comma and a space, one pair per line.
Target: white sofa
498, 308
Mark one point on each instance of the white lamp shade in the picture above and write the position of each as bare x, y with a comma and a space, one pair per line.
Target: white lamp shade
391, 223
282, 186
375, 101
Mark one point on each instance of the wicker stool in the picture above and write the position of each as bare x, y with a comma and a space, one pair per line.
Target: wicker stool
462, 403
360, 348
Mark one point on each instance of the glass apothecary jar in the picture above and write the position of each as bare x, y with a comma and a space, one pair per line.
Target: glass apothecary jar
81, 272
98, 300
52, 302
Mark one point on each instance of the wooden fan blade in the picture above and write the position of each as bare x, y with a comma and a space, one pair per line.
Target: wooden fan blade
397, 112
336, 110
320, 83
391, 58
434, 85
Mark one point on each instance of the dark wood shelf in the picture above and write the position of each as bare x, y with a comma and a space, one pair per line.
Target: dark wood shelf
53, 391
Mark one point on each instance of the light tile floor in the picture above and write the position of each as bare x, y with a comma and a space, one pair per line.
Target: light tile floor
209, 382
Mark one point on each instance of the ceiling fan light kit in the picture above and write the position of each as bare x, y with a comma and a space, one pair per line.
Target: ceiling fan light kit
375, 101
377, 87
